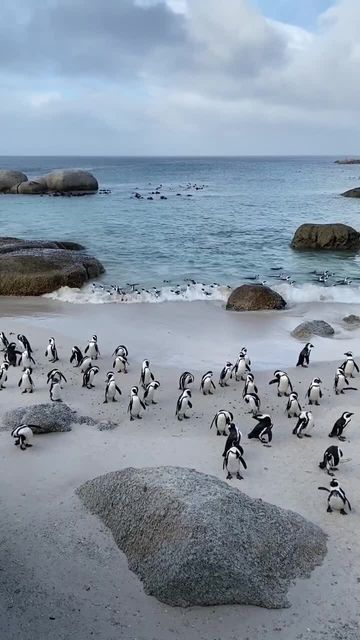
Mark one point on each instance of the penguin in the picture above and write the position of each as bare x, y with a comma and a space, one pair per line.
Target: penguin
145, 376
233, 439
149, 392
314, 393
25, 383
225, 374
88, 377
55, 375
183, 405
3, 374
283, 382
51, 351
76, 356
22, 435
240, 368
331, 460
341, 381
244, 354
121, 350
120, 364
262, 430
340, 425
304, 355
111, 388
293, 408
349, 365
55, 390
135, 405
26, 359
207, 383
11, 353
336, 499
222, 421
185, 379
304, 424
250, 386
85, 364
232, 463
24, 342
253, 400
92, 349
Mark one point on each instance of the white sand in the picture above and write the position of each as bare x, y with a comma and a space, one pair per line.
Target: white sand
59, 562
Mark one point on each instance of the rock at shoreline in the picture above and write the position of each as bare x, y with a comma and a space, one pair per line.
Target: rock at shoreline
325, 237
352, 320
32, 268
195, 541
254, 297
348, 161
352, 193
30, 187
313, 328
49, 418
9, 179
73, 182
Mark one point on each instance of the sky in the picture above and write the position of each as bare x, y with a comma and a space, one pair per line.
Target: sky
180, 77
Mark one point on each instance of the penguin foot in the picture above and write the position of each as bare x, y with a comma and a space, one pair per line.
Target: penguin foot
154, 402
329, 509
16, 443
307, 435
239, 477
299, 436
343, 512
267, 445
229, 476
114, 400
331, 474
105, 402
139, 417
23, 447
218, 433
28, 445
187, 417
341, 438
131, 418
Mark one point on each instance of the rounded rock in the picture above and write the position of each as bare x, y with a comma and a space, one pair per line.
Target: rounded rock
335, 236
9, 179
254, 297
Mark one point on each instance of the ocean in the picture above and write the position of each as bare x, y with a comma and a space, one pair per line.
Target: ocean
220, 222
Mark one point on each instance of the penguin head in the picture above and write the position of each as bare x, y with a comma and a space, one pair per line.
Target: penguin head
187, 393
134, 391
309, 345
347, 414
228, 365
5, 365
155, 384
316, 381
94, 338
28, 371
109, 376
348, 353
146, 363
334, 484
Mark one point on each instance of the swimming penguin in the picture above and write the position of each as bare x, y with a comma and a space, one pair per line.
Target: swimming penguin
149, 392
85, 364
11, 353
120, 364
183, 405
349, 365
341, 381
293, 408
92, 349
25, 383
314, 393
24, 342
76, 356
222, 421
232, 463
26, 359
23, 434
304, 355
241, 368
250, 386
331, 460
3, 374
253, 400
225, 375
111, 388
55, 375
233, 439
262, 430
340, 425
185, 379
88, 377
135, 405
51, 351
304, 424
4, 342
120, 350
55, 390
336, 499
207, 383
283, 382
145, 376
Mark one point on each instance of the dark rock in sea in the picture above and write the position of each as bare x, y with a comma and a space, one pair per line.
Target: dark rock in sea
31, 187
313, 328
352, 193
49, 418
195, 541
32, 268
326, 237
352, 320
348, 161
254, 297
60, 182
9, 179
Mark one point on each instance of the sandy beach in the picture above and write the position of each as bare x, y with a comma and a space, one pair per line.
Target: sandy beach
62, 574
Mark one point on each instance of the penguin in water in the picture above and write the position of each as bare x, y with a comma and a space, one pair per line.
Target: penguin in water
250, 386
85, 364
304, 424
55, 390
314, 393
23, 434
11, 353
3, 374
51, 351
76, 356
233, 461
120, 364
284, 386
4, 342
145, 376
92, 349
222, 420
336, 499
241, 368
26, 383
24, 342
349, 365
331, 460
253, 400
293, 408
111, 388
304, 355
55, 374
183, 405
225, 375
26, 359
207, 383
135, 405
149, 392
121, 350
341, 381
185, 379
339, 426
262, 430
88, 377
233, 439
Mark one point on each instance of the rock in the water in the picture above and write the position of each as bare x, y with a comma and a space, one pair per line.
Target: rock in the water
30, 187
325, 237
48, 417
193, 540
9, 179
72, 181
348, 161
352, 193
254, 297
313, 328
352, 320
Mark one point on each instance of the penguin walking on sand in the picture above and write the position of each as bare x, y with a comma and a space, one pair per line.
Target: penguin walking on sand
26, 360
4, 342
88, 377
51, 351
331, 459
185, 379
284, 386
341, 381
76, 356
24, 343
262, 430
240, 368
120, 364
92, 348
339, 426
146, 376
304, 425
253, 401
233, 439
11, 353
314, 393
336, 499
244, 354
222, 420
121, 350
304, 355
55, 390
85, 364
293, 408
149, 392
183, 405
225, 374
207, 384
26, 383
55, 374
111, 388
23, 434
250, 386
349, 365
136, 405
233, 461
3, 374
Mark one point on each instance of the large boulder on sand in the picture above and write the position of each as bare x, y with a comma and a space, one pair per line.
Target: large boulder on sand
9, 179
193, 540
325, 237
313, 328
32, 268
254, 297
47, 417
352, 193
72, 181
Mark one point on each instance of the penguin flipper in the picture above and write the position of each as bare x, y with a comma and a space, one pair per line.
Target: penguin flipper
243, 462
348, 503
86, 349
273, 381
324, 489
356, 367
19, 383
142, 404
118, 390
190, 404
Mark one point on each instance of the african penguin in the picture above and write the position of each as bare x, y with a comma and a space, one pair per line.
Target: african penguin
262, 430
232, 463
88, 377
149, 392
331, 459
76, 356
136, 405
111, 388
183, 405
253, 400
185, 379
284, 386
349, 365
26, 383
293, 408
341, 381
340, 425
55, 375
26, 359
250, 386
51, 351
146, 376
207, 383
120, 364
233, 439
225, 374
304, 424
92, 349
11, 353
55, 390
85, 364
3, 374
23, 434
24, 342
240, 368
314, 393
336, 499
222, 420
304, 355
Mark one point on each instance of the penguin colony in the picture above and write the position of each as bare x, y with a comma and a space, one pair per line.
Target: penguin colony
142, 396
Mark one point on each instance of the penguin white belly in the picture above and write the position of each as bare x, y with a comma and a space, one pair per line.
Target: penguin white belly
146, 376
207, 385
233, 464
340, 385
56, 392
92, 352
240, 370
221, 424
184, 408
314, 394
136, 406
48, 352
111, 392
85, 365
309, 427
250, 387
25, 383
226, 377
119, 365
336, 503
349, 368
150, 396
283, 385
91, 377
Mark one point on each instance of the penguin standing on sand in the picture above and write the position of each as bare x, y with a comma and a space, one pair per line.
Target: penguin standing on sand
314, 393
88, 377
185, 379
149, 392
4, 342
207, 383
331, 459
120, 364
233, 439
293, 408
26, 360
262, 430
284, 386
26, 383
304, 355
92, 348
349, 365
51, 351
136, 405
341, 381
336, 499
225, 374
3, 374
250, 386
339, 426
233, 461
183, 405
222, 421
85, 364
241, 368
111, 388
76, 356
253, 400
244, 354
24, 342
55, 390
23, 435
304, 425
146, 376
11, 353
